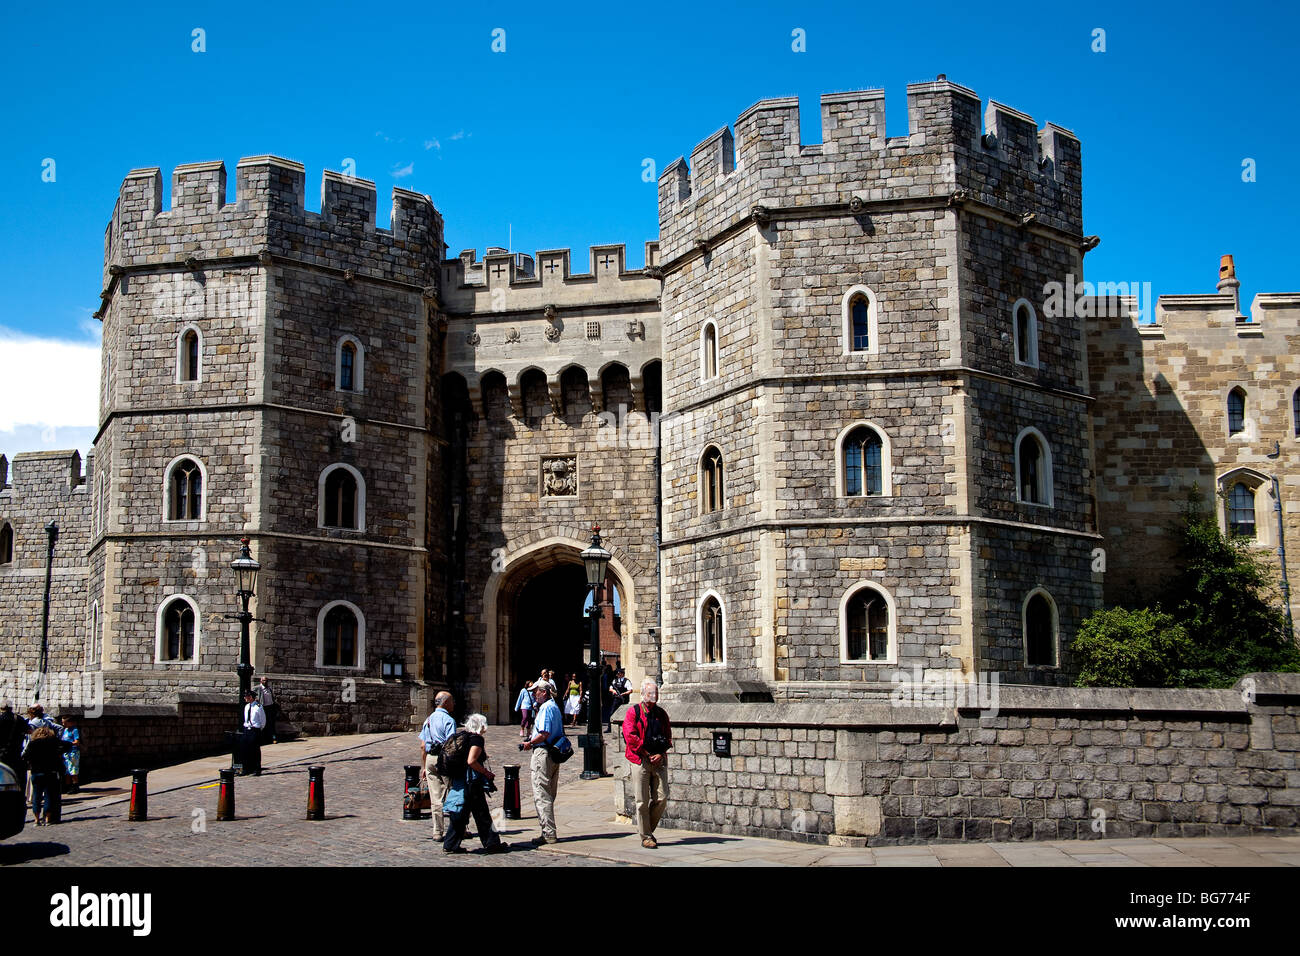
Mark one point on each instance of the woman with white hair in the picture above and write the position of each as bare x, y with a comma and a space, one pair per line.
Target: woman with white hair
469, 782
649, 736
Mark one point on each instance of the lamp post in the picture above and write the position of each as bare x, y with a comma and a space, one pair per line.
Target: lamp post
245, 569
596, 560
1281, 554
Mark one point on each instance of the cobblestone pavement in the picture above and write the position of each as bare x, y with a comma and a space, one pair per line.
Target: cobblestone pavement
363, 827
363, 822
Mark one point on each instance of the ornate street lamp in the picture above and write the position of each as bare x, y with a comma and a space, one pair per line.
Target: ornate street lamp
596, 560
245, 569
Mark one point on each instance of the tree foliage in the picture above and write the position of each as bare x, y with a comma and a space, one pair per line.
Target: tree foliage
1118, 647
1217, 618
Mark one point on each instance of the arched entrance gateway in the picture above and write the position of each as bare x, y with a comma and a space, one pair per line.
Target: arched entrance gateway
534, 618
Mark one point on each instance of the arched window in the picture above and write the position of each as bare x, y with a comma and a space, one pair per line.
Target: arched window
1236, 411
342, 498
92, 637
866, 616
711, 631
349, 365
177, 630
340, 636
858, 313
858, 317
6, 543
188, 352
1040, 629
1241, 511
1033, 468
862, 458
1024, 322
494, 394
711, 485
709, 351
185, 490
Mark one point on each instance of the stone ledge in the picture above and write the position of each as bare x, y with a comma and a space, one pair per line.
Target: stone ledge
1071, 700
822, 715
1271, 685
207, 697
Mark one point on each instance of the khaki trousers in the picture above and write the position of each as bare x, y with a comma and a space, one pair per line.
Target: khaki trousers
437, 791
546, 781
650, 787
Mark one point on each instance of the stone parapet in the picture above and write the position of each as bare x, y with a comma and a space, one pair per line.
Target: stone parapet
1041, 763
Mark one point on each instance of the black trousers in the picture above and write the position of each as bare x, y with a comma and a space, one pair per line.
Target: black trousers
250, 751
475, 803
268, 732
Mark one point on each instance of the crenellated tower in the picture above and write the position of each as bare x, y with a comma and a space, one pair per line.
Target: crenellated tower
876, 447
267, 372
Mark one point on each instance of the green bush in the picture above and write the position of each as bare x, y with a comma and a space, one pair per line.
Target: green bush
1216, 619
1119, 647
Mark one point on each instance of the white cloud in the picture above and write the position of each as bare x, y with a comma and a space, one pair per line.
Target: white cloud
48, 383
401, 171
459, 134
432, 144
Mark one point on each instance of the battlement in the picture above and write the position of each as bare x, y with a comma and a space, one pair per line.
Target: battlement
1123, 306
269, 215
469, 284
1002, 159
41, 471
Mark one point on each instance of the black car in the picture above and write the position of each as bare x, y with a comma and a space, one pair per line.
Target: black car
13, 803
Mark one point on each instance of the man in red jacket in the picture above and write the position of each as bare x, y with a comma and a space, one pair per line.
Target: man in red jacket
649, 736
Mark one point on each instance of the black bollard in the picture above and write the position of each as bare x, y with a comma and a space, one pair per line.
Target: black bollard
139, 811
226, 795
315, 793
411, 795
510, 799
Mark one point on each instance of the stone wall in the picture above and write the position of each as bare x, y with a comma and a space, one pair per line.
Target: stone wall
131, 736
1050, 763
550, 368
35, 489
1161, 425
272, 289
943, 230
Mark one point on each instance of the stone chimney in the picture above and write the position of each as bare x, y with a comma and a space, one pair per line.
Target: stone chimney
1229, 284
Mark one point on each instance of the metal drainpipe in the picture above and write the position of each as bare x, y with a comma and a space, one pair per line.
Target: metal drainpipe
1281, 553
52, 531
659, 573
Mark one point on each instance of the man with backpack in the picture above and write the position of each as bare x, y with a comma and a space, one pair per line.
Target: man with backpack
649, 736
548, 743
438, 727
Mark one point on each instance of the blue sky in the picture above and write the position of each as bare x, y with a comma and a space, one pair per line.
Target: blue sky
546, 142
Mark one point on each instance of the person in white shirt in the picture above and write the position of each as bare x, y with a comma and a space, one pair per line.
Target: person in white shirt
254, 721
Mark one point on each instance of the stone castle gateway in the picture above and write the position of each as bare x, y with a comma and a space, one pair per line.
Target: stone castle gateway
828, 428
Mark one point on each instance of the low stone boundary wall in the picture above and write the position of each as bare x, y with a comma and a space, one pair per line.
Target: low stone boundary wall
1051, 763
325, 706
126, 737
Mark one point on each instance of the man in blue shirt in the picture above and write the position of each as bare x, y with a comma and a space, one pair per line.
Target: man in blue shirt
548, 729
437, 728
